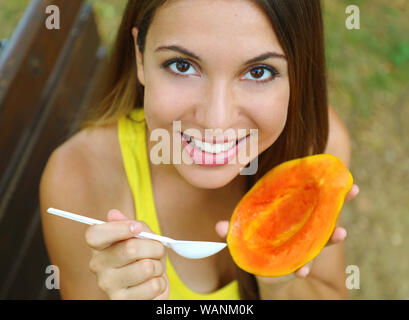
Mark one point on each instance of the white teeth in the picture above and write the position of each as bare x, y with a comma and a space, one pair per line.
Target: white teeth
212, 147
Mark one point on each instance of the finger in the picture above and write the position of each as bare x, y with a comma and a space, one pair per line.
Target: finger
304, 270
165, 294
116, 215
352, 193
135, 273
101, 236
337, 236
222, 228
128, 251
148, 290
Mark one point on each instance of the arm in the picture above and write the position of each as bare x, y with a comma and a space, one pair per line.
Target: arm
326, 279
66, 184
102, 261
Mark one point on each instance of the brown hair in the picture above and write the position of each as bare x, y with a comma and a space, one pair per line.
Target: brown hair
298, 25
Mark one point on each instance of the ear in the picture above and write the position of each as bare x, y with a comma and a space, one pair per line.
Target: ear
139, 63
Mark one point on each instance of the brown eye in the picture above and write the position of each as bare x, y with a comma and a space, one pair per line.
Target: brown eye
182, 66
257, 73
262, 74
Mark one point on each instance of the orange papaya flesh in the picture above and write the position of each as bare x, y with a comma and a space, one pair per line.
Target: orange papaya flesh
288, 216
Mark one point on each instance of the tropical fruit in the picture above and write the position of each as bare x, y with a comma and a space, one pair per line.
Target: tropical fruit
288, 216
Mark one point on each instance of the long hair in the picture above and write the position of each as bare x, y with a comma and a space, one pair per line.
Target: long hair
298, 25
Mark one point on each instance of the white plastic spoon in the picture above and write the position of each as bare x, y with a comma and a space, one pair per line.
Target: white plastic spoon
187, 249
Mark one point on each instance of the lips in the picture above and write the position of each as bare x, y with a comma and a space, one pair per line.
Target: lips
211, 154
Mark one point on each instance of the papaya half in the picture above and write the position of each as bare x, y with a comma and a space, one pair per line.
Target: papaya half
288, 216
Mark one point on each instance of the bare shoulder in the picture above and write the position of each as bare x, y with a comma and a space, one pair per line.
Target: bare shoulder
338, 139
86, 166
83, 176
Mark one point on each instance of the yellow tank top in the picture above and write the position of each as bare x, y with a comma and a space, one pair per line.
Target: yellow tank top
131, 134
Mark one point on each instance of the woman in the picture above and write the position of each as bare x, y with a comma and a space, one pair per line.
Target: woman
237, 65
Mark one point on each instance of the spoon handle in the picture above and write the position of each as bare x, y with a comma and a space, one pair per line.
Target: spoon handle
73, 216
76, 217
152, 236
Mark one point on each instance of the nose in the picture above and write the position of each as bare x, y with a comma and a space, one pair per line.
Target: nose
217, 108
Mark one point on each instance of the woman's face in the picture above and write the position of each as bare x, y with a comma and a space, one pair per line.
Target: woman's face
215, 86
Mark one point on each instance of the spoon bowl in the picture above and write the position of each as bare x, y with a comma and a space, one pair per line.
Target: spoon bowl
187, 249
197, 249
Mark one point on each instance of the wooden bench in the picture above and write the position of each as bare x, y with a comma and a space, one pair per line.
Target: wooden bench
46, 79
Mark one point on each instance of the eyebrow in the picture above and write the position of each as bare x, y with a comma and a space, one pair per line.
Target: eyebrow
186, 52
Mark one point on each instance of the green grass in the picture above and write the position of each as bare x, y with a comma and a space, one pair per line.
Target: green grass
108, 14
371, 61
10, 13
368, 86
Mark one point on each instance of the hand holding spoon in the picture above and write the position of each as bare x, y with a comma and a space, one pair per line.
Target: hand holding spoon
187, 249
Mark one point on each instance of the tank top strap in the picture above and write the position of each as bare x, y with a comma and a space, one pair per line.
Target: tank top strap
132, 140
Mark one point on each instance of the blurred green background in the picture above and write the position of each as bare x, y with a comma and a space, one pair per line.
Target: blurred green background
368, 73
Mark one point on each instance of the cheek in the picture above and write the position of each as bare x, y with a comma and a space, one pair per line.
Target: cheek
167, 98
269, 113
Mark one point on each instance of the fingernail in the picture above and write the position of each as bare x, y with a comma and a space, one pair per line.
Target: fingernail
344, 235
305, 271
134, 227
